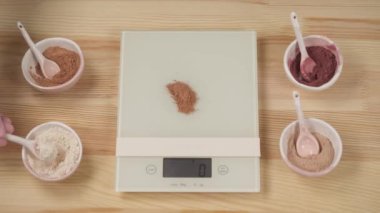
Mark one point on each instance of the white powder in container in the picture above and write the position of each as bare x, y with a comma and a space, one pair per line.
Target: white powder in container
66, 153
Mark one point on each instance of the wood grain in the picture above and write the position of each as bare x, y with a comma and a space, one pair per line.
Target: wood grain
352, 106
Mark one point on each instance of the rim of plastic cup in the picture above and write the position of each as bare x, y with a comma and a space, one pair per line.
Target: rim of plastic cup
300, 171
324, 86
67, 83
24, 152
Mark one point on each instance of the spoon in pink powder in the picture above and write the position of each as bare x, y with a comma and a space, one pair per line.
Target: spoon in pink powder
307, 64
306, 144
48, 67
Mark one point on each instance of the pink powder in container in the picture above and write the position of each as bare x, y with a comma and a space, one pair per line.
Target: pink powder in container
326, 55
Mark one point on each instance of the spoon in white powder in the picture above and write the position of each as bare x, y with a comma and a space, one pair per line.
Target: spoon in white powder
57, 140
42, 151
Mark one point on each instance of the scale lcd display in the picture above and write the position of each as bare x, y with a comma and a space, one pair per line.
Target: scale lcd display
187, 167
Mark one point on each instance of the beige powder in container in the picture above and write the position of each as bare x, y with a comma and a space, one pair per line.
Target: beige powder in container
314, 163
66, 153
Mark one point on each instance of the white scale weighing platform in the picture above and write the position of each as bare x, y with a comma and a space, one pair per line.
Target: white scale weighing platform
214, 149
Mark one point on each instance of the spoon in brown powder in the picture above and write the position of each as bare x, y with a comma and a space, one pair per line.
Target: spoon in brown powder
48, 67
306, 144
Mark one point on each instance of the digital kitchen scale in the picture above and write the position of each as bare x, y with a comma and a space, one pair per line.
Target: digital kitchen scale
214, 149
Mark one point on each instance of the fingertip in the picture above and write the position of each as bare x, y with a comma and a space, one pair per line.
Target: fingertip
2, 127
7, 120
9, 128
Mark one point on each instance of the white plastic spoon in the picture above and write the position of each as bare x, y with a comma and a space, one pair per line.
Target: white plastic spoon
48, 67
306, 145
307, 64
50, 153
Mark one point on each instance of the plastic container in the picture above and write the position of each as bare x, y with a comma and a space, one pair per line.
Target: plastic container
29, 62
315, 125
40, 128
313, 40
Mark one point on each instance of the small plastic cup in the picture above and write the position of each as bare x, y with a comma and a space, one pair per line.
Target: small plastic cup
315, 125
313, 40
29, 63
41, 128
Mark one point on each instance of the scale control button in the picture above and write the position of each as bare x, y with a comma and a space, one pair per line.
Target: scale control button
222, 169
151, 169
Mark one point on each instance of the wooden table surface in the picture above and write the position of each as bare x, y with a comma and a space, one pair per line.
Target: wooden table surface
352, 106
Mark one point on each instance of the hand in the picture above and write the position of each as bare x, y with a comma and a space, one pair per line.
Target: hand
5, 128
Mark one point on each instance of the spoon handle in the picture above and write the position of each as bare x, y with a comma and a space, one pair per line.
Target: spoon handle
22, 141
297, 31
297, 102
30, 43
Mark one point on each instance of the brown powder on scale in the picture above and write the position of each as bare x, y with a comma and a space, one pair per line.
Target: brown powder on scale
183, 95
67, 60
313, 163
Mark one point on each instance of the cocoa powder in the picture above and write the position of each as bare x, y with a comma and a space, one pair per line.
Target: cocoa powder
67, 60
183, 95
